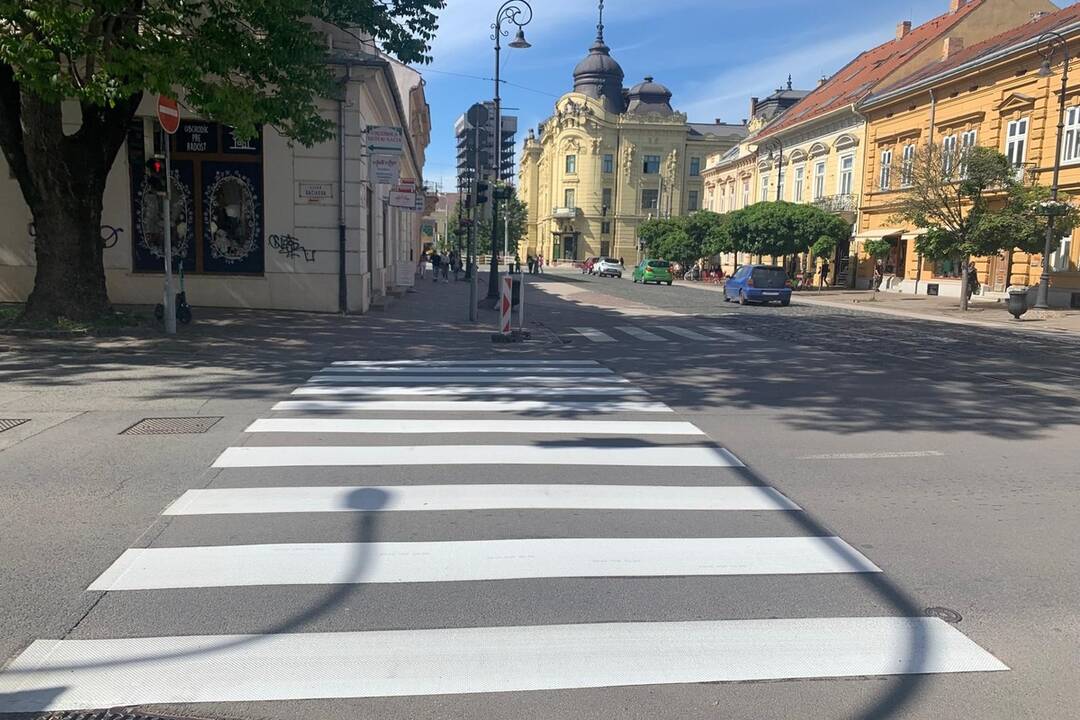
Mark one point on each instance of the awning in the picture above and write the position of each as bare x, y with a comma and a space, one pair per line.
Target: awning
880, 233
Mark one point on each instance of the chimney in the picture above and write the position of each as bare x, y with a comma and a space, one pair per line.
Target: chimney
955, 5
1039, 15
719, 121
753, 106
824, 79
902, 29
951, 46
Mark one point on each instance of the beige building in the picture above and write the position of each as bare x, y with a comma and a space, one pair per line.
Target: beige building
610, 158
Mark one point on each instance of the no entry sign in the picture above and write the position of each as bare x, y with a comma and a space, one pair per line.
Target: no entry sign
168, 114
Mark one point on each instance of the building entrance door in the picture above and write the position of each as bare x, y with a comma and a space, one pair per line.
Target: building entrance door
998, 276
570, 247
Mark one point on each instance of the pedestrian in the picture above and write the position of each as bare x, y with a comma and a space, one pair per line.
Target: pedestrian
455, 264
540, 264
436, 261
530, 262
421, 266
622, 263
824, 273
973, 285
879, 275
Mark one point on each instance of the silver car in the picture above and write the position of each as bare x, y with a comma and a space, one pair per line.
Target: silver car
607, 266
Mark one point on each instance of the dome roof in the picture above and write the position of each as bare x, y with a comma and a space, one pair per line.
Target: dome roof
649, 97
599, 62
599, 76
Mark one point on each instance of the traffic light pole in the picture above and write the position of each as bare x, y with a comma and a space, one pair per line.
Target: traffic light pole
170, 297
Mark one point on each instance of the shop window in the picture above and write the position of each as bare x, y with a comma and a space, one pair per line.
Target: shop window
217, 202
950, 268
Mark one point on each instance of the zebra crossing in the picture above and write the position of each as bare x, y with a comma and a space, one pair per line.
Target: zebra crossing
399, 460
660, 334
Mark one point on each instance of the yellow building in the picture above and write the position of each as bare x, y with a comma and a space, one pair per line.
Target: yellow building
814, 152
989, 94
610, 158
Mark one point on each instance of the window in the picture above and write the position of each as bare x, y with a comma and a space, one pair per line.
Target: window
819, 180
1070, 143
692, 201
745, 193
571, 164
847, 175
800, 180
609, 164
907, 168
695, 166
1016, 142
948, 268
780, 184
569, 198
763, 192
605, 201
948, 155
885, 176
650, 199
605, 227
1059, 261
967, 142
651, 165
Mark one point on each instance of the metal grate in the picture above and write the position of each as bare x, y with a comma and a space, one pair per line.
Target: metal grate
8, 423
172, 426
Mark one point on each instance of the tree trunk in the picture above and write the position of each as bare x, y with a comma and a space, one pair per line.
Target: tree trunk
62, 177
964, 280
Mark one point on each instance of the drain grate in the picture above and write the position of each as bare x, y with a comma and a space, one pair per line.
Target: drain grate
172, 426
9, 423
943, 613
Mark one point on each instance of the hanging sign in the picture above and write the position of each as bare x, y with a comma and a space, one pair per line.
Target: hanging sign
385, 169
403, 197
385, 139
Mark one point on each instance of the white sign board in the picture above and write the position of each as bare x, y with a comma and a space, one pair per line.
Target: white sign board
405, 275
400, 198
314, 192
384, 138
385, 169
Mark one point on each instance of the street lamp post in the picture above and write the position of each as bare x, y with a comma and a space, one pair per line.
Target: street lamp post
779, 166
1049, 44
517, 12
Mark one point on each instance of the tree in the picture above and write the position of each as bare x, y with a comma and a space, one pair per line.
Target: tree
518, 213
244, 63
971, 203
781, 228
878, 248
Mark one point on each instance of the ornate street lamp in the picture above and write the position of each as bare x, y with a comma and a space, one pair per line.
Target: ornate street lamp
777, 155
1049, 45
519, 13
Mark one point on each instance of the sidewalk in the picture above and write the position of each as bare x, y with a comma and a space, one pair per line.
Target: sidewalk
981, 313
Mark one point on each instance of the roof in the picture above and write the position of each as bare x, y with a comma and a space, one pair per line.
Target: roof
988, 50
858, 78
725, 129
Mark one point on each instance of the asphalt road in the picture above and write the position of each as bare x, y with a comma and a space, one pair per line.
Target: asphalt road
942, 456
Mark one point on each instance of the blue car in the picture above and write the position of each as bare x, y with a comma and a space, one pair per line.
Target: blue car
758, 284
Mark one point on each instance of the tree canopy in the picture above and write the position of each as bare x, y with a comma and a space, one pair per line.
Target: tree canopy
783, 228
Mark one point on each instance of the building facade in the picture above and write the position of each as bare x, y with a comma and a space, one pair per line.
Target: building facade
476, 144
989, 94
610, 158
259, 223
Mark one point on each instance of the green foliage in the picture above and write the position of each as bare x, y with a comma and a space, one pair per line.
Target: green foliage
824, 247
519, 214
685, 239
240, 62
782, 228
878, 248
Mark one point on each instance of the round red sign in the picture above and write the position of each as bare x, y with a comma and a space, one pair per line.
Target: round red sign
168, 113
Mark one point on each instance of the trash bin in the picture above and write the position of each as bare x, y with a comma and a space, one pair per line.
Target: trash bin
1017, 300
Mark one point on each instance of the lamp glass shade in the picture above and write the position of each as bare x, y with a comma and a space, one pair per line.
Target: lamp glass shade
1044, 70
520, 42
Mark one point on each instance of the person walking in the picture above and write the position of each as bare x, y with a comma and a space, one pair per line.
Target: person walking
530, 262
824, 274
973, 284
436, 262
879, 275
421, 266
540, 264
455, 264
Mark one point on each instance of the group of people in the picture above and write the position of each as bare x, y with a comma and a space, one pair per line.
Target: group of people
536, 264
441, 265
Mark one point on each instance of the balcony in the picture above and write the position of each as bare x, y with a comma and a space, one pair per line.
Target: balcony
838, 203
564, 213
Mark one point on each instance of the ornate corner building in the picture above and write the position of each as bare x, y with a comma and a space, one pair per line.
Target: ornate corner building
610, 158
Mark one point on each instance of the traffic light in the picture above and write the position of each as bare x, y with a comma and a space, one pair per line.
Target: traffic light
155, 174
504, 192
481, 192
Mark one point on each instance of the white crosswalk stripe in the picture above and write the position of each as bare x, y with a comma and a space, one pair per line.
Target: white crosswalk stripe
663, 334
594, 335
296, 475
687, 333
640, 333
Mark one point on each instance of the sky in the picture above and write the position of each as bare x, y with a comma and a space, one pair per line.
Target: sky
713, 54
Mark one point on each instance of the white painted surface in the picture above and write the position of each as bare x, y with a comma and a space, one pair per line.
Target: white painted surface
463, 363
519, 381
76, 674
429, 562
439, 498
340, 456
586, 407
444, 390
640, 334
733, 334
500, 370
391, 426
687, 333
594, 335
876, 456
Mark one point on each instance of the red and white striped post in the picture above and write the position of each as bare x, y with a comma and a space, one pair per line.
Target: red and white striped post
506, 305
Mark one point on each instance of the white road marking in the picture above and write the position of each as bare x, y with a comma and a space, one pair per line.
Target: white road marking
439, 498
500, 370
594, 335
640, 334
876, 456
464, 363
534, 380
485, 560
444, 390
77, 674
687, 333
464, 427
727, 332
586, 407
596, 455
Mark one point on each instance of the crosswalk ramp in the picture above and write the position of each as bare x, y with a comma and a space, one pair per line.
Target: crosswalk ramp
659, 334
427, 544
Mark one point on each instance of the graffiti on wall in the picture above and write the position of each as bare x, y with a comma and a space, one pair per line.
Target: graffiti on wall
110, 236
290, 247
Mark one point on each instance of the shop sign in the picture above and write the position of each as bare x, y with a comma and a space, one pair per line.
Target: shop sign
385, 169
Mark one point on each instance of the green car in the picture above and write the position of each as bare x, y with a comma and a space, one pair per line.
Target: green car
653, 271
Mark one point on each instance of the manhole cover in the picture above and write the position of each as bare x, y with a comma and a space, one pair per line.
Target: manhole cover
943, 613
8, 423
172, 426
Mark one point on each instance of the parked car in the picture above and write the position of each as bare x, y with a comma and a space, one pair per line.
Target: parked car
587, 266
653, 271
607, 267
758, 284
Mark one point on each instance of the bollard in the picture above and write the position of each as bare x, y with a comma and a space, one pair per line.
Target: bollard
506, 305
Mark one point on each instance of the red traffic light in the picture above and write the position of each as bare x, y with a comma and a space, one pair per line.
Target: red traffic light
155, 174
